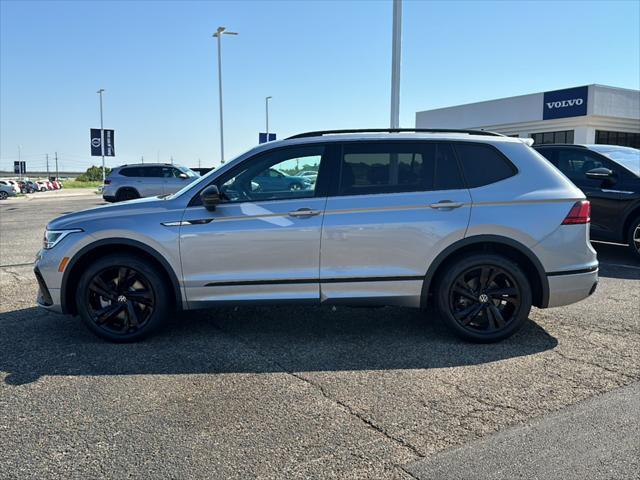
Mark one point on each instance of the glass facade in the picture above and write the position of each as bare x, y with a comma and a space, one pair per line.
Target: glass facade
625, 139
564, 136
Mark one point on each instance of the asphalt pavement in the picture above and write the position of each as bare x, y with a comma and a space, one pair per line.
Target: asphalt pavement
294, 392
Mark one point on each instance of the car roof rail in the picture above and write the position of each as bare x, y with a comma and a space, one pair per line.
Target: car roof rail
320, 133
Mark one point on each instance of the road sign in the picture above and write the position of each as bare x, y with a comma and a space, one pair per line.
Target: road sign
96, 142
20, 167
262, 137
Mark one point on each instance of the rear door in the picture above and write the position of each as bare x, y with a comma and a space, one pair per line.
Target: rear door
394, 207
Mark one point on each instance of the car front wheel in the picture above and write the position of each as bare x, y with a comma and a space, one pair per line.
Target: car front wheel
3, 195
122, 298
484, 298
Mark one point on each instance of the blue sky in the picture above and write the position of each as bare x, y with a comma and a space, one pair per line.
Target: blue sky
326, 64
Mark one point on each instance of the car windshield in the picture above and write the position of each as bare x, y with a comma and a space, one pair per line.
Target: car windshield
626, 156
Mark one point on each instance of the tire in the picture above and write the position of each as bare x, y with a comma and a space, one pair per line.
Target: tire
488, 313
126, 194
122, 298
3, 195
633, 238
294, 187
43, 189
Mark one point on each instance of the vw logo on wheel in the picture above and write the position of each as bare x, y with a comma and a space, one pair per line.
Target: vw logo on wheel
484, 298
95, 142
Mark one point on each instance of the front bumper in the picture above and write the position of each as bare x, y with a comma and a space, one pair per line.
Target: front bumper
571, 288
48, 298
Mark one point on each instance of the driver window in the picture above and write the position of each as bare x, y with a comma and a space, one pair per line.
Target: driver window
274, 176
576, 163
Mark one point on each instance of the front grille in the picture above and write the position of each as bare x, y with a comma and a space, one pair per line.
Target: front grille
44, 297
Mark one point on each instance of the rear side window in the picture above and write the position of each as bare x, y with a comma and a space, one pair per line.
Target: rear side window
370, 168
131, 172
153, 172
483, 164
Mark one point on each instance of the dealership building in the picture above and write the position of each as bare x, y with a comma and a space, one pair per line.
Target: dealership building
588, 114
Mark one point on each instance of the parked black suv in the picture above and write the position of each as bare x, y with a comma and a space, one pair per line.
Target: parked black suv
609, 175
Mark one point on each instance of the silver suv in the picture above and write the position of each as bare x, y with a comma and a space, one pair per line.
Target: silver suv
477, 223
145, 180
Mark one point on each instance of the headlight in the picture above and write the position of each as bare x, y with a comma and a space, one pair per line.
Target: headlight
53, 237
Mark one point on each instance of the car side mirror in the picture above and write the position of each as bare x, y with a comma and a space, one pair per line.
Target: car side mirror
183, 176
210, 197
600, 173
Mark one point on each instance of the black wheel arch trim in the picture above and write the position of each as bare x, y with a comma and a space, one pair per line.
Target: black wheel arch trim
119, 241
483, 239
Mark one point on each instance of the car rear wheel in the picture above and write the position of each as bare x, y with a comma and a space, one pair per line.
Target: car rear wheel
122, 298
484, 298
634, 238
3, 195
126, 194
294, 187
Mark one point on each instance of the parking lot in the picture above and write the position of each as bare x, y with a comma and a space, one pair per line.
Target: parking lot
284, 392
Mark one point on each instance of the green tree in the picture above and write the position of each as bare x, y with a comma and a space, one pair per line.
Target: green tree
93, 174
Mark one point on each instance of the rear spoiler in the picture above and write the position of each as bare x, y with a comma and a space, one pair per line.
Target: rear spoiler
527, 141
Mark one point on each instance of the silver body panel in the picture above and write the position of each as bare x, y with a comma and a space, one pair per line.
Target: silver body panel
360, 249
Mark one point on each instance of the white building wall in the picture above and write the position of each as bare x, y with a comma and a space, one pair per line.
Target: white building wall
608, 108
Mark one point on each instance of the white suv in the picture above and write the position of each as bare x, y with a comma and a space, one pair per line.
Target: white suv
478, 223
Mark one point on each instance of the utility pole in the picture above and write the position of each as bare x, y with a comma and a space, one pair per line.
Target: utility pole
47, 166
171, 159
396, 51
198, 163
57, 166
218, 34
142, 158
266, 107
99, 92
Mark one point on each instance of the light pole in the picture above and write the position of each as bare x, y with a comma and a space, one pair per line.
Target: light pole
218, 34
396, 50
99, 92
266, 108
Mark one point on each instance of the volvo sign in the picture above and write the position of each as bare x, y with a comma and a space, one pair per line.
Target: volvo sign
571, 102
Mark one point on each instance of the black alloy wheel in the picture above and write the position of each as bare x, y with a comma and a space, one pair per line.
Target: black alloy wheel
3, 195
485, 298
122, 298
634, 238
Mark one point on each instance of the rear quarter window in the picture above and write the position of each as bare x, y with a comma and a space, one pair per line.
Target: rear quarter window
131, 172
483, 164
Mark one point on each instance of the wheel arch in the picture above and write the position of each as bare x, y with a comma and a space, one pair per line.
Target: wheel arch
510, 248
125, 188
76, 265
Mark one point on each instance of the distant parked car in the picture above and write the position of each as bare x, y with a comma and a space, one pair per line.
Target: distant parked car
6, 191
609, 175
12, 185
274, 180
26, 186
145, 180
310, 174
44, 185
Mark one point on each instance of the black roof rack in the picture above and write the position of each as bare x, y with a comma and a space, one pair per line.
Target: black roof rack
320, 133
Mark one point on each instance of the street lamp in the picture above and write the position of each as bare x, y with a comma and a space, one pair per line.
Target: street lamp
266, 107
396, 50
99, 92
218, 34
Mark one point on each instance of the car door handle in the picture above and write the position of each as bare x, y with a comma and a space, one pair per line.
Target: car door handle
304, 212
446, 204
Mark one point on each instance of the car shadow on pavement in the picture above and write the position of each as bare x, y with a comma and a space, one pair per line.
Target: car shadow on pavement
617, 261
35, 343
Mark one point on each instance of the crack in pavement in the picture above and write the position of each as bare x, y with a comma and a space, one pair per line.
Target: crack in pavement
343, 405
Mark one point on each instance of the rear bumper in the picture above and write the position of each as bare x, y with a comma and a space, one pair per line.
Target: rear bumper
109, 198
565, 289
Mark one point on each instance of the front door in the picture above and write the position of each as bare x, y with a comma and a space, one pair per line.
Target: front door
259, 244
396, 207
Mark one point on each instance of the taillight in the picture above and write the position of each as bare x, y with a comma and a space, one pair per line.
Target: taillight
579, 213
107, 181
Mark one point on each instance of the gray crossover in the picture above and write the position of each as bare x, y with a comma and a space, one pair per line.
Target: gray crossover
476, 223
145, 180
